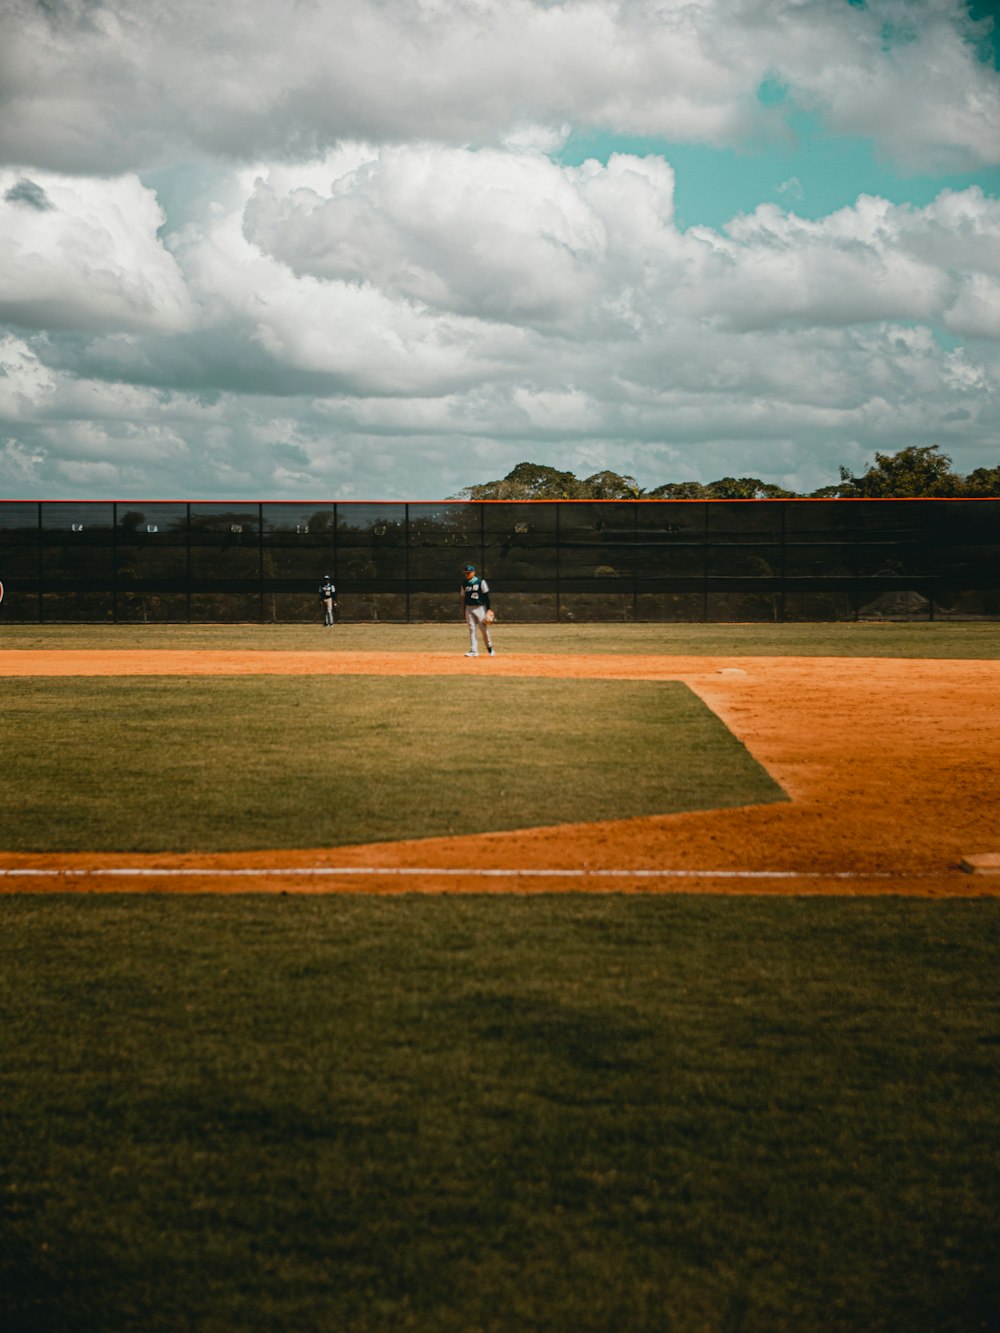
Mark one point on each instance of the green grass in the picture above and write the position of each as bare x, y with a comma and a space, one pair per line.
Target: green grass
579, 1113
561, 1113
849, 639
140, 764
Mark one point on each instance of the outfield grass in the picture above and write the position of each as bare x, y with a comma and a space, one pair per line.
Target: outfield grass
848, 639
352, 1115
205, 764
555, 1113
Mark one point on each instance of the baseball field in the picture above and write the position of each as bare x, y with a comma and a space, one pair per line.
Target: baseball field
639, 978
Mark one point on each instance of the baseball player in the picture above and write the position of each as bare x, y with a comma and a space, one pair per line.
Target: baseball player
475, 595
328, 596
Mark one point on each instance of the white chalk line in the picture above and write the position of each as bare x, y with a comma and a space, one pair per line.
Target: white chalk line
247, 872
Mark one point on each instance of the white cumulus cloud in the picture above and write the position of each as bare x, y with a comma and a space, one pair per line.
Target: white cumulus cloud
84, 253
258, 249
593, 252
105, 86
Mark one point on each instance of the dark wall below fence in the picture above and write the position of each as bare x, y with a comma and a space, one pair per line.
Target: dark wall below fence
720, 560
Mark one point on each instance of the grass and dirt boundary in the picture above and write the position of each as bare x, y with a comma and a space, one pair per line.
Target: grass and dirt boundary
468, 1110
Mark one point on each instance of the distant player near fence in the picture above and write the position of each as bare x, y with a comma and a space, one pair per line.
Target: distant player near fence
328, 596
475, 595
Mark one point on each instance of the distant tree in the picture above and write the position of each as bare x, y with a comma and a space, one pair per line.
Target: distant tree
528, 481
912, 472
610, 486
745, 488
983, 481
771, 492
678, 490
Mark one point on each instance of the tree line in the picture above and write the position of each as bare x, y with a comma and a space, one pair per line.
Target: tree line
910, 473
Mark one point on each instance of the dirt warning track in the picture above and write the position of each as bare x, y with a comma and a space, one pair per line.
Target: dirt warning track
892, 768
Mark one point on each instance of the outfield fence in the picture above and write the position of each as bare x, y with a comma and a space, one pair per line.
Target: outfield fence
572, 560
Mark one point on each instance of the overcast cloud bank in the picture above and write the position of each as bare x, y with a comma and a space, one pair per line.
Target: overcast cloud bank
341, 255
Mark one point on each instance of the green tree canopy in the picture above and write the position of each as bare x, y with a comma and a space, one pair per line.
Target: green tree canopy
528, 481
984, 481
611, 486
916, 471
745, 488
919, 470
679, 490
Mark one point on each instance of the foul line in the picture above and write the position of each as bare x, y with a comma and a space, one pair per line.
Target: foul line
337, 871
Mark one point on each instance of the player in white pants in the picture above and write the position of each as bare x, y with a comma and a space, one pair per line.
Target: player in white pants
328, 596
475, 594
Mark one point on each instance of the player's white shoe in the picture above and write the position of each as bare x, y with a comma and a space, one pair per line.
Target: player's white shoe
472, 654
492, 652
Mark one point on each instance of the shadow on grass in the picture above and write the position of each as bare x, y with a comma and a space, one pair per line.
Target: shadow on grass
458, 1114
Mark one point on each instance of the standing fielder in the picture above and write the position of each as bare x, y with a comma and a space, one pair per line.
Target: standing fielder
475, 594
328, 596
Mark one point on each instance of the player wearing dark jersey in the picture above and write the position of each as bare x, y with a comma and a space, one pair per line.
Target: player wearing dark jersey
328, 596
475, 595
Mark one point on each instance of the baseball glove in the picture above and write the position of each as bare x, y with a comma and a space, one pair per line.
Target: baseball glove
489, 617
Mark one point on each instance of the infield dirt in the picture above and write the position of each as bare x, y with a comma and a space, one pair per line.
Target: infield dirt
892, 767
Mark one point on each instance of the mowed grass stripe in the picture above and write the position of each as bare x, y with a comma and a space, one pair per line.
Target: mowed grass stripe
177, 764
963, 639
499, 1114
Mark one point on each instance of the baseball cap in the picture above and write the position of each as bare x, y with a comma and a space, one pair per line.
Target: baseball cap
469, 569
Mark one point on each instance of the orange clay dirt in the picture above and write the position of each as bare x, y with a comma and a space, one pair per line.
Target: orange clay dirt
892, 768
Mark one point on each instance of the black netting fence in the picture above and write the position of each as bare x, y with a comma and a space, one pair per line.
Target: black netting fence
646, 560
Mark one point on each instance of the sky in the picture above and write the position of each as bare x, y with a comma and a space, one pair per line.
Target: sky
387, 249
